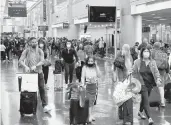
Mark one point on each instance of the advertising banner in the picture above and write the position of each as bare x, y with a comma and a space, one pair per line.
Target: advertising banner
17, 10
44, 11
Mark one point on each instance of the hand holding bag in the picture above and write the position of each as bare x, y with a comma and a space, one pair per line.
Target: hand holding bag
121, 93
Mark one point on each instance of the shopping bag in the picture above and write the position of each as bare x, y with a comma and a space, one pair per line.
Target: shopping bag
121, 94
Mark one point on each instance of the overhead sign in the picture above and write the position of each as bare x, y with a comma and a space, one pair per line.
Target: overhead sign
42, 28
17, 10
145, 29
44, 10
102, 13
65, 25
26, 31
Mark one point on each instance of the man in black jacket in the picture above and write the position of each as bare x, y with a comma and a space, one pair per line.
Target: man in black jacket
68, 55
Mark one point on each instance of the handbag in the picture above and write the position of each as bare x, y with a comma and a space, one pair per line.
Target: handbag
154, 98
120, 93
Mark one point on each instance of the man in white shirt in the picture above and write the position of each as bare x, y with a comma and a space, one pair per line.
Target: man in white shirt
2, 49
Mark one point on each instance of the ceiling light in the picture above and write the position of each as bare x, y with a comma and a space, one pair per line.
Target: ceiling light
157, 17
149, 20
153, 14
162, 19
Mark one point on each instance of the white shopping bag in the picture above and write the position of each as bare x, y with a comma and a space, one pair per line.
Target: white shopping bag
120, 94
29, 81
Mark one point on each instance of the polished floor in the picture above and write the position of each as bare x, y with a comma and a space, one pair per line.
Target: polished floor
105, 111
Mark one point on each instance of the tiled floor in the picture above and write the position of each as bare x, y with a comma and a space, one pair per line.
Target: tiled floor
105, 110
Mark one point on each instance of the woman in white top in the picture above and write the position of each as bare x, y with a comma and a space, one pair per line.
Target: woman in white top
89, 79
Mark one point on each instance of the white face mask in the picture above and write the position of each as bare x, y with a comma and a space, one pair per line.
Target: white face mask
68, 46
146, 55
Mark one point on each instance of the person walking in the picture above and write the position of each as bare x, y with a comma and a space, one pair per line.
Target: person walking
126, 110
89, 80
32, 60
159, 56
145, 70
81, 58
67, 56
45, 67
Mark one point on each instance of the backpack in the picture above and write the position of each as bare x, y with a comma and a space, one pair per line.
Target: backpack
161, 59
134, 54
119, 62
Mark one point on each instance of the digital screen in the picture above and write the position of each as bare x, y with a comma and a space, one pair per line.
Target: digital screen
102, 14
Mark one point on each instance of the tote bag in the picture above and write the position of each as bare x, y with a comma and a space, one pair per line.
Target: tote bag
120, 94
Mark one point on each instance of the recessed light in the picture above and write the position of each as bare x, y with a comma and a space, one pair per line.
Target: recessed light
153, 14
157, 17
162, 19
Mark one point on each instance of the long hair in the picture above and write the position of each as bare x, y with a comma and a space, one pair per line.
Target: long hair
41, 41
142, 50
127, 55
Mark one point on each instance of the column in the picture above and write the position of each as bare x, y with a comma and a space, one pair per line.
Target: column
73, 31
138, 28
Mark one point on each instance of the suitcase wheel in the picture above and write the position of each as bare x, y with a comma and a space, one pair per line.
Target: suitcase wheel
22, 114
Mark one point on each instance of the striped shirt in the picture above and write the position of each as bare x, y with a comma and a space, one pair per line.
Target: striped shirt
32, 58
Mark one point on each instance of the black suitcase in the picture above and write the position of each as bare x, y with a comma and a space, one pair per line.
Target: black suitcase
28, 103
77, 114
167, 93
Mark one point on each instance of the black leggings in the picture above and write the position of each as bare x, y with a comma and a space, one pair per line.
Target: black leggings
46, 73
79, 71
145, 93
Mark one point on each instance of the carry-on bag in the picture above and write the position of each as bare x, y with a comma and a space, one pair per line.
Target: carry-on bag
78, 114
28, 103
154, 98
167, 93
28, 95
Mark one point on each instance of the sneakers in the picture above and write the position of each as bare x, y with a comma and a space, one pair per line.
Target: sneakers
141, 115
150, 121
46, 109
136, 120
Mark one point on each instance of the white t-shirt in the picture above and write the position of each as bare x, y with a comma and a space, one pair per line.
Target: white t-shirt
101, 44
2, 47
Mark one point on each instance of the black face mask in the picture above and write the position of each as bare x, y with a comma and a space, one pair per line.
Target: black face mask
34, 46
90, 65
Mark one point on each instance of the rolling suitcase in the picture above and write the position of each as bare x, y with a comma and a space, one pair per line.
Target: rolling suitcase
77, 114
167, 93
28, 103
154, 98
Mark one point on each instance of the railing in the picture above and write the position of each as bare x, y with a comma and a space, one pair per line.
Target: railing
138, 2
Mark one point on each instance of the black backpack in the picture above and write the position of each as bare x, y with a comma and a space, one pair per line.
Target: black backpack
119, 62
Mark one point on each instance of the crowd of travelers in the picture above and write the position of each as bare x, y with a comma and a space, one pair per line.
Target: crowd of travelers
148, 63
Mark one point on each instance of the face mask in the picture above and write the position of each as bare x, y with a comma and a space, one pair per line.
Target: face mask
146, 55
41, 45
68, 46
90, 65
34, 46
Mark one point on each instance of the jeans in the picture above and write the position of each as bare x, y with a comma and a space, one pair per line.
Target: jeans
3, 55
46, 73
161, 91
69, 70
128, 111
41, 83
79, 71
144, 105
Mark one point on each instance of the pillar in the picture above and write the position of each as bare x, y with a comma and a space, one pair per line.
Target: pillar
138, 28
73, 31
